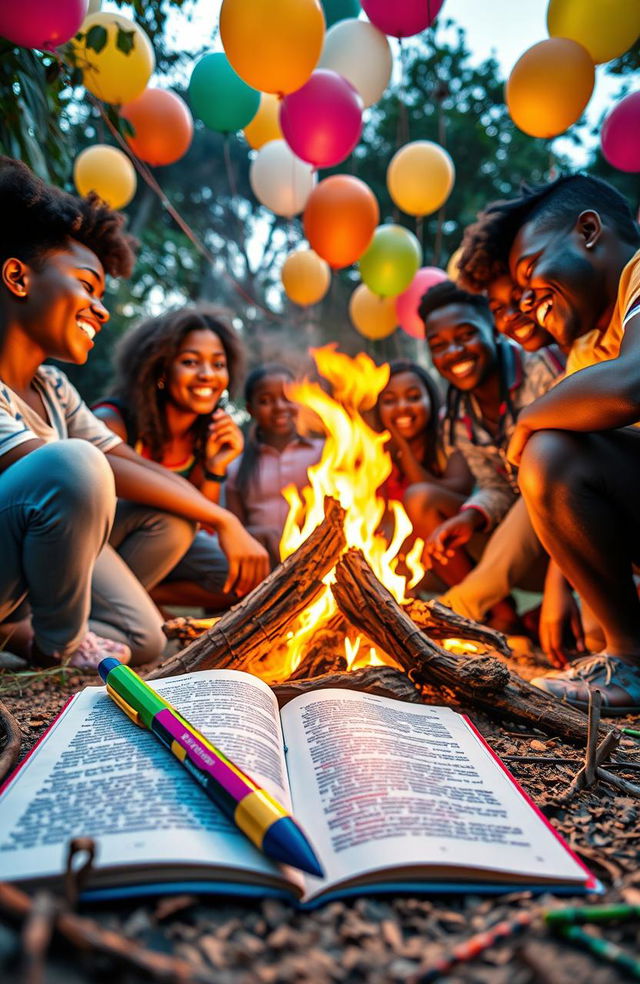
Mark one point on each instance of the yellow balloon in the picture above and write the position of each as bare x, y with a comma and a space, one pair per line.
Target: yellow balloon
265, 125
110, 74
108, 172
305, 277
274, 45
549, 87
606, 28
374, 317
453, 270
420, 177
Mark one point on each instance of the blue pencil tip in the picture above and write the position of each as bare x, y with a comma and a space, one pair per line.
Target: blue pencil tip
106, 665
284, 841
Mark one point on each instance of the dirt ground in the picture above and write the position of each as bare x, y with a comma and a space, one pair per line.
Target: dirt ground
373, 939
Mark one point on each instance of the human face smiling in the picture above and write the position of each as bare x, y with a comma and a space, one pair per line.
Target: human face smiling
63, 310
460, 339
273, 411
198, 375
404, 404
504, 300
561, 286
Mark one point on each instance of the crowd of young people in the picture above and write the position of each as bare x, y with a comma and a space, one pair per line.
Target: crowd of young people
522, 476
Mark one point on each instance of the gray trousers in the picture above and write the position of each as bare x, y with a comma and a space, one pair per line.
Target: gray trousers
512, 558
72, 556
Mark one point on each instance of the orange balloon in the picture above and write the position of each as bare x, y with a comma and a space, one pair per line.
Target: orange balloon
549, 87
163, 126
340, 218
273, 45
265, 125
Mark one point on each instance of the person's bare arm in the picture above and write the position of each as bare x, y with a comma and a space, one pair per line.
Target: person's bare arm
150, 484
601, 397
19, 452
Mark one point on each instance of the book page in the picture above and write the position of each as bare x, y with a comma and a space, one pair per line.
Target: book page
97, 774
385, 784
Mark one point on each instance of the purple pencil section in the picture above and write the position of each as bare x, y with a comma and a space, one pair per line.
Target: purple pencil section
204, 758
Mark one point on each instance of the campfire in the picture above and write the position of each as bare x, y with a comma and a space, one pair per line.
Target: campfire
338, 611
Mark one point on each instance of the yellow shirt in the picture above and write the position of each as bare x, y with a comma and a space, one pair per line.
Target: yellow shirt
597, 345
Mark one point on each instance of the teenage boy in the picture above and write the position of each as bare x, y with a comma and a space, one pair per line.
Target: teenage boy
490, 381
574, 254
61, 468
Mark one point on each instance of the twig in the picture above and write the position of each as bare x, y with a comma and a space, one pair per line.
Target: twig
11, 752
630, 788
595, 705
36, 937
605, 747
560, 760
87, 935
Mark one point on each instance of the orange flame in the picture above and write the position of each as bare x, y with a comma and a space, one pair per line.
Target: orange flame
353, 466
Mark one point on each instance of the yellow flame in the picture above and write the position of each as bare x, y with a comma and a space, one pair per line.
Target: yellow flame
460, 647
353, 466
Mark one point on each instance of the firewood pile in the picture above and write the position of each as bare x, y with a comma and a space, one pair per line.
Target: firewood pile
583, 775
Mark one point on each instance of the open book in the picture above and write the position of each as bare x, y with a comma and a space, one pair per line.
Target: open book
393, 796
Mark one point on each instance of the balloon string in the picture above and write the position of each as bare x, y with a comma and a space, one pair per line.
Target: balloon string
148, 177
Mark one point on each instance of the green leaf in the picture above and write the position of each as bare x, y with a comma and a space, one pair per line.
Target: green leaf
125, 41
97, 38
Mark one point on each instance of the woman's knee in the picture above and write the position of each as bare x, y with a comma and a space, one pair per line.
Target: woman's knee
79, 469
146, 640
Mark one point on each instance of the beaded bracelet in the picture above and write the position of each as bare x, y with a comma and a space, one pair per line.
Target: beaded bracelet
212, 477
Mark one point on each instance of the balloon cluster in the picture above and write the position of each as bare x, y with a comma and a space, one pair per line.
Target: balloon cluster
551, 83
295, 77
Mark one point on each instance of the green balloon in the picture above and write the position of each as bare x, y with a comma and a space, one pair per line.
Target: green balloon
337, 10
219, 97
391, 260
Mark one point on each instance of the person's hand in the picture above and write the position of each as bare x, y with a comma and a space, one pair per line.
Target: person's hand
224, 442
397, 446
248, 560
517, 444
451, 534
559, 618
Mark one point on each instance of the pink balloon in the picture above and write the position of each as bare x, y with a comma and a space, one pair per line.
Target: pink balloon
407, 303
620, 137
322, 121
402, 18
42, 24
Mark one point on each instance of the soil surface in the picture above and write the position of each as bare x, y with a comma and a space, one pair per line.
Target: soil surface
374, 939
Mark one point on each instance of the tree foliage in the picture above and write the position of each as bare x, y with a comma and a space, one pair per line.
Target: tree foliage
226, 247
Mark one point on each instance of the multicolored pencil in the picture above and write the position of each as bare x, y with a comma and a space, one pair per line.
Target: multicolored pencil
264, 821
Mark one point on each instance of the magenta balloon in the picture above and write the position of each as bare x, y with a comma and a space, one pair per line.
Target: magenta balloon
407, 303
620, 136
402, 18
42, 24
322, 121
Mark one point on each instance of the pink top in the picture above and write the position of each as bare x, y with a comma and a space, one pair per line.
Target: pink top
264, 505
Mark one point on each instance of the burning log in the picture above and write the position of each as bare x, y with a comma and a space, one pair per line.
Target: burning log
385, 681
440, 622
481, 681
249, 630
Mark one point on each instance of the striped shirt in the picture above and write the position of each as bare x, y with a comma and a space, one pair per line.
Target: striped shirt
68, 415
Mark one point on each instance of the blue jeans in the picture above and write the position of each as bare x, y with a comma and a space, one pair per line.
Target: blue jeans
57, 511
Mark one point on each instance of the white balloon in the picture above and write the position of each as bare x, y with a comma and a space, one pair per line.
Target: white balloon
280, 180
94, 6
360, 53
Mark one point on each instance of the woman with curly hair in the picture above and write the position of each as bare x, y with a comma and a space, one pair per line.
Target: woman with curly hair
65, 558
172, 372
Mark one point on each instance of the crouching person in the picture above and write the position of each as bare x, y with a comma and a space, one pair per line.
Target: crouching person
60, 467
